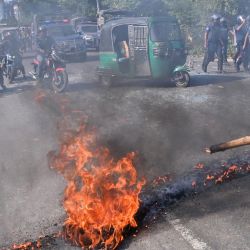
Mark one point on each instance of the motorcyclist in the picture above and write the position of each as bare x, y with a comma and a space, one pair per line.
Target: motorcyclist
44, 45
240, 34
13, 47
224, 38
213, 44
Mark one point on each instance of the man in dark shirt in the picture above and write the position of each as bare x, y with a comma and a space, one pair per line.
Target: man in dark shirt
213, 44
240, 35
224, 38
44, 45
246, 48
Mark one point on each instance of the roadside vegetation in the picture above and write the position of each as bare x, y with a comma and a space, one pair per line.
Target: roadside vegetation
193, 15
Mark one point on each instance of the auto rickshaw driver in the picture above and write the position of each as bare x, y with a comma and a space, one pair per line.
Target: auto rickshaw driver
120, 38
123, 51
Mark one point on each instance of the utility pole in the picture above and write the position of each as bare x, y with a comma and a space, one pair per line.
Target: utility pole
98, 6
100, 18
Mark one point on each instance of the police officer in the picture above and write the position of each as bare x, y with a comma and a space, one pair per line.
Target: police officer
44, 46
240, 35
213, 44
224, 38
246, 46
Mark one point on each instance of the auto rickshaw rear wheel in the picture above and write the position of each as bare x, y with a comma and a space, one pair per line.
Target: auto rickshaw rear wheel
106, 81
181, 79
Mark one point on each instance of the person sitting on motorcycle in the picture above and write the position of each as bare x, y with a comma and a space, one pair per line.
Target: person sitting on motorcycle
13, 47
45, 43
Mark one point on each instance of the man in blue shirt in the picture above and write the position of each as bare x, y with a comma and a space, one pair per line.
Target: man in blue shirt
240, 35
213, 44
224, 38
246, 46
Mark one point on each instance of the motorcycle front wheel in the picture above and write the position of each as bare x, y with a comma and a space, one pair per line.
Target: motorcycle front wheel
60, 81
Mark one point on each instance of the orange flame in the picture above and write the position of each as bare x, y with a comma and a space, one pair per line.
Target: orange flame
102, 196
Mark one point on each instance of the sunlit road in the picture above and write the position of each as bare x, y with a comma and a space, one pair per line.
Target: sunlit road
169, 128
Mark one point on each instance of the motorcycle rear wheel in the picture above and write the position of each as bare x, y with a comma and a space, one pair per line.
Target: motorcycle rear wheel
60, 81
11, 76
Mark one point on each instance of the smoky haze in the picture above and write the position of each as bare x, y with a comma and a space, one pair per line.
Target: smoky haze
168, 127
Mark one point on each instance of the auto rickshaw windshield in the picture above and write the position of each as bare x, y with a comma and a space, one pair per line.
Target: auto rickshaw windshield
165, 31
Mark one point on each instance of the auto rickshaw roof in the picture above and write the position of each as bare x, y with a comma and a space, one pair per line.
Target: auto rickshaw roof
106, 38
136, 21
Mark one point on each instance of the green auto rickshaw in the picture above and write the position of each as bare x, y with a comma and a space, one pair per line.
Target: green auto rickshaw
143, 47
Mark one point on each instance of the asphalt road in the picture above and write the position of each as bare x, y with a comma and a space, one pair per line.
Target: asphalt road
167, 126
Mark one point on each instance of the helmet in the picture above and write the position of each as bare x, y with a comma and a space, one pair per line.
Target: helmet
223, 20
215, 18
240, 19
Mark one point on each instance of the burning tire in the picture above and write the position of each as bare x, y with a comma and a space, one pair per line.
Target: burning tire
181, 79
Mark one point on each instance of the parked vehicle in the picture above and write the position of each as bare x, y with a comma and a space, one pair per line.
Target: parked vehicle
90, 34
54, 71
69, 43
146, 47
13, 67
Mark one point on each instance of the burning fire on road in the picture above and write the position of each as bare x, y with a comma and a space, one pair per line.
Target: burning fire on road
102, 196
105, 200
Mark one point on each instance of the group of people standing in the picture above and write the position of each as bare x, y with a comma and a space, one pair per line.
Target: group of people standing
217, 37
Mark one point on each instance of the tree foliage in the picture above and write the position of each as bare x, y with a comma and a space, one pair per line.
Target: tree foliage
193, 15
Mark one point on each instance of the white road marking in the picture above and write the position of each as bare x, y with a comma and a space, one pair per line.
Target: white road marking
186, 233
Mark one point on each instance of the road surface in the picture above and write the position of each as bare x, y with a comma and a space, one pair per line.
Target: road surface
167, 126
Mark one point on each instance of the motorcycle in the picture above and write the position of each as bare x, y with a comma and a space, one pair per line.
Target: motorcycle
54, 71
13, 67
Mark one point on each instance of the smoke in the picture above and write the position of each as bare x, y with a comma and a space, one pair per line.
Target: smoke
29, 192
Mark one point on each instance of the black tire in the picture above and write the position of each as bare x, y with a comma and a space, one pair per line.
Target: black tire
60, 84
106, 81
181, 79
11, 76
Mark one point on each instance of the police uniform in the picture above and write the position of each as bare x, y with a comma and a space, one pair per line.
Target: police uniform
240, 38
224, 38
214, 46
247, 52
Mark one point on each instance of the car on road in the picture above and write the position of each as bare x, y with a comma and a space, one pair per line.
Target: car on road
90, 33
69, 43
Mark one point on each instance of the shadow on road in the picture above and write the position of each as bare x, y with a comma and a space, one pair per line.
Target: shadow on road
82, 86
16, 90
202, 80
196, 80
